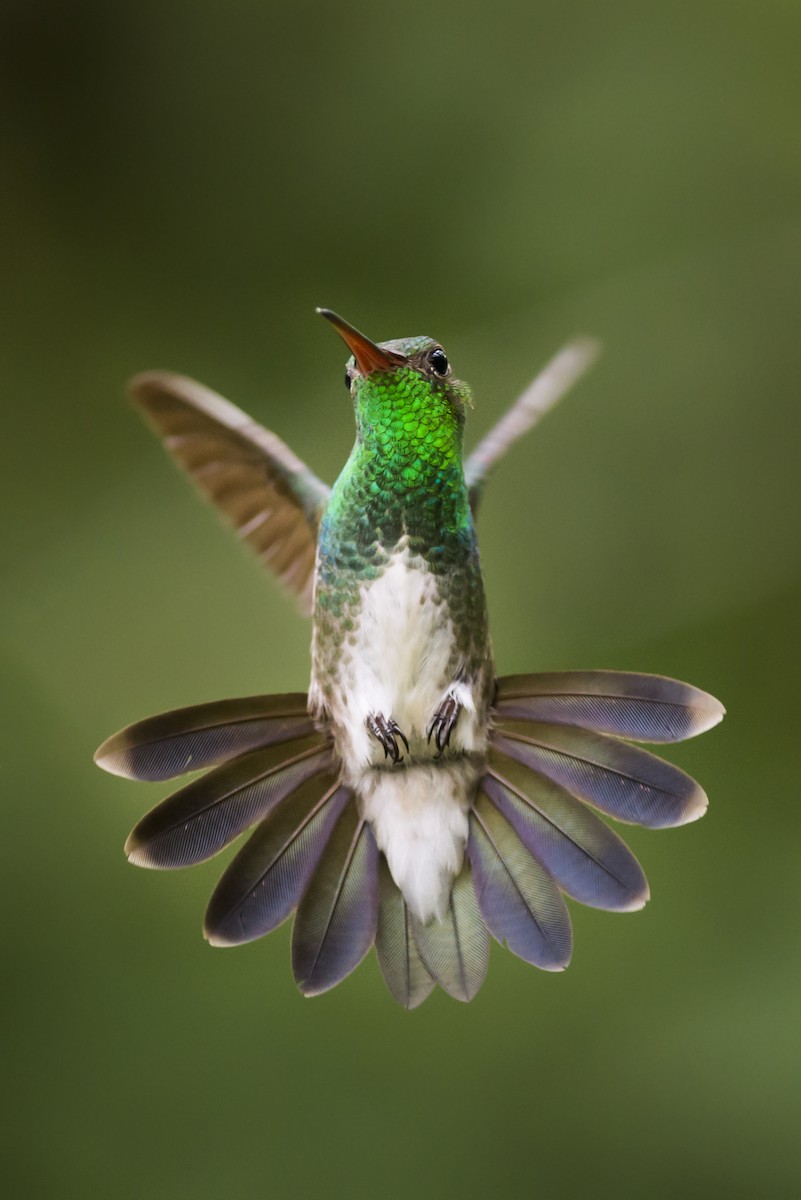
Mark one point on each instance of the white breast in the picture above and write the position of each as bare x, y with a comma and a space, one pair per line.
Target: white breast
398, 662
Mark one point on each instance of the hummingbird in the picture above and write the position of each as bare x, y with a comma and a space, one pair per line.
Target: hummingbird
411, 799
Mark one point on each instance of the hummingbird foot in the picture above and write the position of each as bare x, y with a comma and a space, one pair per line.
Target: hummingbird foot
443, 722
387, 732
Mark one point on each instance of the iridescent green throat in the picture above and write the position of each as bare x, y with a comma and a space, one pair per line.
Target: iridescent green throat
404, 478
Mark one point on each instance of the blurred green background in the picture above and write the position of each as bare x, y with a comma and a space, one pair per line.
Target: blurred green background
183, 182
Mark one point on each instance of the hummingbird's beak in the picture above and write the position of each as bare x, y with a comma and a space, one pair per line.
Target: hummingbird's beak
369, 356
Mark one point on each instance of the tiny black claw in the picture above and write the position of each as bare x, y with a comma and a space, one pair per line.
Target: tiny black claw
387, 732
443, 722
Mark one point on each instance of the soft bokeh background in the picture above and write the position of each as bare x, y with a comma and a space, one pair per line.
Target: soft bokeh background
182, 183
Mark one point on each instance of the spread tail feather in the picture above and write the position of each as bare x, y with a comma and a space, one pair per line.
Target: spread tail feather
190, 739
455, 950
645, 708
518, 899
210, 812
578, 850
336, 921
621, 780
556, 753
266, 880
403, 969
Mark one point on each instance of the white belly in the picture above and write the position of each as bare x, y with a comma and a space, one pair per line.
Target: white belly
398, 662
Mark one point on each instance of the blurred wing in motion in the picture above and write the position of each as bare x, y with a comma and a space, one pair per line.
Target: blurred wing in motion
557, 377
270, 497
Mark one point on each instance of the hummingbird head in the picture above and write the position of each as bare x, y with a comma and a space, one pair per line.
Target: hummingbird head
405, 386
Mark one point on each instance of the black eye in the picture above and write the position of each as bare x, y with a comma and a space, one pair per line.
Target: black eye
347, 380
439, 361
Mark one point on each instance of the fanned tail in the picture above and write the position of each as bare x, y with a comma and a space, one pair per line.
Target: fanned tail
559, 750
310, 851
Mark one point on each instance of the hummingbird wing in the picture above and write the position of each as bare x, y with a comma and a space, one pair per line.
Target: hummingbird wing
556, 378
264, 490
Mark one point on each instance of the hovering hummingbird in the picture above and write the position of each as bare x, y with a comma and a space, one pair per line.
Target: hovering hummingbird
412, 799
